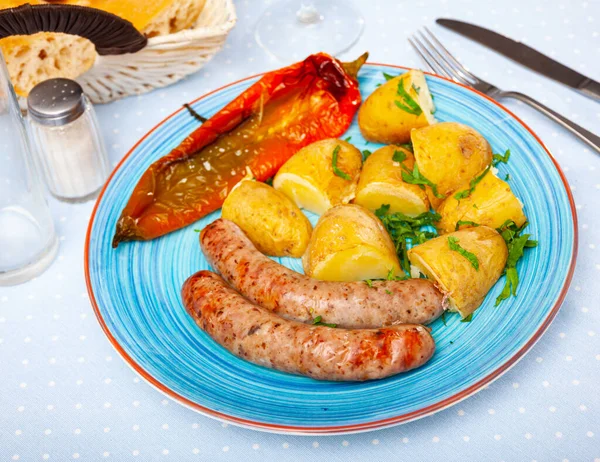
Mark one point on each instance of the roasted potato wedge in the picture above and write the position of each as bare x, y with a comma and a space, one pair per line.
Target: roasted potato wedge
395, 108
454, 273
381, 183
349, 243
491, 203
270, 219
449, 154
314, 181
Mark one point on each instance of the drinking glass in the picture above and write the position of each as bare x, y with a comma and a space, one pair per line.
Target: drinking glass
28, 241
293, 29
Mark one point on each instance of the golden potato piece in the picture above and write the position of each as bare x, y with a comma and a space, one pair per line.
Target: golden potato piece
349, 243
308, 177
381, 183
454, 273
395, 108
491, 203
270, 220
449, 154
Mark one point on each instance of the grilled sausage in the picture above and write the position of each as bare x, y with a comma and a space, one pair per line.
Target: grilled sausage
295, 296
260, 336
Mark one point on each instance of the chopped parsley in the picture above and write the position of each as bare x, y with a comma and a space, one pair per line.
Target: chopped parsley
269, 181
406, 102
389, 292
336, 170
368, 282
516, 243
472, 184
196, 230
347, 140
454, 245
468, 318
497, 158
392, 277
317, 322
460, 223
415, 177
444, 317
399, 156
507, 177
388, 76
405, 231
366, 153
408, 146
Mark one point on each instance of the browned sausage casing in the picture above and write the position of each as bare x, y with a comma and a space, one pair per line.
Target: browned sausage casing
295, 296
260, 336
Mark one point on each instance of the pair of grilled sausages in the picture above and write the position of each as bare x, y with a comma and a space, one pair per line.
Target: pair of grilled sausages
271, 326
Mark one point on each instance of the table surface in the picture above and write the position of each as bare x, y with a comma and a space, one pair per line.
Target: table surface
66, 394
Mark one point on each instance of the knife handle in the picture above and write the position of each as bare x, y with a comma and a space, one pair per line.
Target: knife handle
582, 133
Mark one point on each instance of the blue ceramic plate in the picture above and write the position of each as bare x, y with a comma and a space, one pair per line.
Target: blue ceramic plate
135, 292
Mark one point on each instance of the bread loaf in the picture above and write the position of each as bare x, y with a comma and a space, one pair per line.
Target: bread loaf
34, 58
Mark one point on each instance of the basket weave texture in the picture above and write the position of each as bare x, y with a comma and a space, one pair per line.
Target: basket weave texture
165, 60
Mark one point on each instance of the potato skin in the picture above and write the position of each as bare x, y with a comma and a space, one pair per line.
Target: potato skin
381, 183
272, 221
349, 243
491, 203
449, 154
465, 286
381, 121
320, 187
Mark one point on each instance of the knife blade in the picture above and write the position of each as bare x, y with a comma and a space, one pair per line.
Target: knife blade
526, 56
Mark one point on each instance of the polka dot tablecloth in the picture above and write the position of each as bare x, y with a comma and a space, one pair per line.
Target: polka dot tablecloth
66, 394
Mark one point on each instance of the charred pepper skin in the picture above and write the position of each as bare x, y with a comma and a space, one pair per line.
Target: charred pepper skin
262, 128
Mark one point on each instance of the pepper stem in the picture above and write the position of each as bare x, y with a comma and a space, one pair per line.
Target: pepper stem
353, 67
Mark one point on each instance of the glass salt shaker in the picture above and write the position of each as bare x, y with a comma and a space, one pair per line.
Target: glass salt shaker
28, 241
70, 150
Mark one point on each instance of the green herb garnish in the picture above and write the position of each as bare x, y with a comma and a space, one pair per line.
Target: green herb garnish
317, 322
366, 153
516, 243
407, 103
196, 230
269, 181
472, 184
368, 282
389, 292
405, 231
416, 89
388, 76
468, 318
415, 177
459, 223
399, 156
444, 317
336, 170
507, 177
408, 146
497, 158
454, 245
347, 140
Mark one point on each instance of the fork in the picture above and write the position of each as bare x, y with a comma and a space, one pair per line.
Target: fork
441, 61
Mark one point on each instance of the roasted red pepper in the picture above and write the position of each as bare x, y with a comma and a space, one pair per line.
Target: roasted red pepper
262, 128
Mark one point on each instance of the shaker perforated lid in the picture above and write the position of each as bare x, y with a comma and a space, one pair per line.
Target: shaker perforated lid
56, 102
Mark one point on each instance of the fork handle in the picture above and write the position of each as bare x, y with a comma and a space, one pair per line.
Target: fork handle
582, 133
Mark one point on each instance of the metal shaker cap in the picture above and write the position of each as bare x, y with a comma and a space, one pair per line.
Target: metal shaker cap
56, 102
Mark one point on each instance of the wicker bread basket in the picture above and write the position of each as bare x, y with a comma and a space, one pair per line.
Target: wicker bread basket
127, 62
165, 59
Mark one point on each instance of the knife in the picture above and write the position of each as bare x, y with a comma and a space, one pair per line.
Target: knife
526, 56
